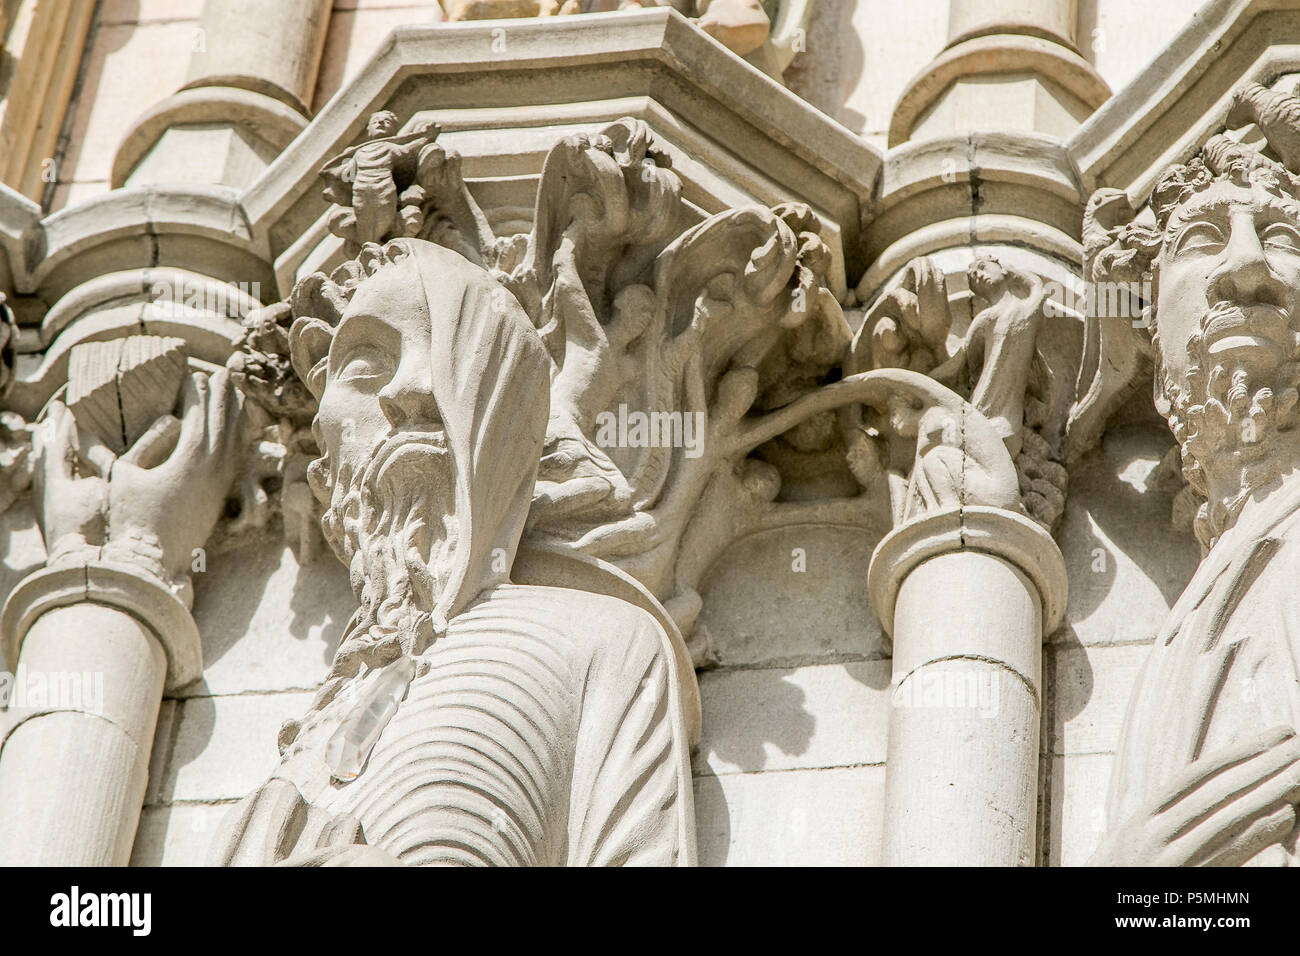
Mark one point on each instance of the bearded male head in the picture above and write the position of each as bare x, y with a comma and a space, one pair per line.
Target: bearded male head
433, 392
1205, 766
468, 719
1223, 262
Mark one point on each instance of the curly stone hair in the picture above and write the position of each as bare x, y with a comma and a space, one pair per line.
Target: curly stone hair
1119, 249
317, 304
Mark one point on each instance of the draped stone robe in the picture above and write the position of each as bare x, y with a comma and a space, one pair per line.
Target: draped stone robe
546, 725
1225, 664
546, 731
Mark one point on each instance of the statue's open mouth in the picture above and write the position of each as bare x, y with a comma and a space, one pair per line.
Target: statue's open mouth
1230, 327
406, 449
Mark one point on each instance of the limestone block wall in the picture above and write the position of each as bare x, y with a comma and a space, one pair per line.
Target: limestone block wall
790, 769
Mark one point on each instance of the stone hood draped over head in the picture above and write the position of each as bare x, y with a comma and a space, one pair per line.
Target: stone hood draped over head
490, 377
491, 381
545, 725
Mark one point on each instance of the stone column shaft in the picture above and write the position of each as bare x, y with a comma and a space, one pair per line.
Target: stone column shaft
73, 773
1052, 19
968, 596
966, 684
1008, 65
248, 94
271, 48
72, 780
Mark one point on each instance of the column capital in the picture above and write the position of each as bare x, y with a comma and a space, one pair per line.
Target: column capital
996, 531
123, 586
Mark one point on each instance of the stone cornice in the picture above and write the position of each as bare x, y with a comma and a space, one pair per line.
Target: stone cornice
1183, 95
451, 73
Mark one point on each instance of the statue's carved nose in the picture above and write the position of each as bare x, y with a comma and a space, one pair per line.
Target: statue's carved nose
1244, 276
407, 401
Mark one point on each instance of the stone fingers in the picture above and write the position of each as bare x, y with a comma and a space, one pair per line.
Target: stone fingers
1235, 845
1216, 763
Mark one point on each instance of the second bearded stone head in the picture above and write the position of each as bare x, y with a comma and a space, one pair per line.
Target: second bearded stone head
1223, 263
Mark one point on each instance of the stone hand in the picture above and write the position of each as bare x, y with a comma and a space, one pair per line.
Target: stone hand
169, 506
70, 506
1224, 809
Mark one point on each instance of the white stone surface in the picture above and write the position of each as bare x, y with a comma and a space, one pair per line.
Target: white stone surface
267, 623
771, 592
1088, 695
820, 613
790, 818
222, 747
176, 835
814, 717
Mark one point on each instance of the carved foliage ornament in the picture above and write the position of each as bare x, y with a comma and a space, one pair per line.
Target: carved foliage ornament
668, 341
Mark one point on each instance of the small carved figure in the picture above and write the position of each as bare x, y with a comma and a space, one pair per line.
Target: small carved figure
997, 362
908, 327
1000, 346
374, 184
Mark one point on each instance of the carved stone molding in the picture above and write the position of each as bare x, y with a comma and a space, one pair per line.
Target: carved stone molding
745, 27
46, 41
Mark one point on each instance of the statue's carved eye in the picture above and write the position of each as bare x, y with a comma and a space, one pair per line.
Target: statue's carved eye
1200, 237
1281, 235
363, 363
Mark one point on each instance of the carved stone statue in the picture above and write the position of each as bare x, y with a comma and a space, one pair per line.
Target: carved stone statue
995, 382
466, 720
1000, 346
374, 184
1208, 770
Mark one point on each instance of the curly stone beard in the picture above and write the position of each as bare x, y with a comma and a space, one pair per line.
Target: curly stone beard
1226, 424
394, 526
